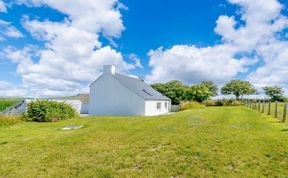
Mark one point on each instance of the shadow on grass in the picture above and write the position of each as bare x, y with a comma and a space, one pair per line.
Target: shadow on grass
284, 130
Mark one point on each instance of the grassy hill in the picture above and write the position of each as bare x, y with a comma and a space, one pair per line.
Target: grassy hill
209, 142
7, 102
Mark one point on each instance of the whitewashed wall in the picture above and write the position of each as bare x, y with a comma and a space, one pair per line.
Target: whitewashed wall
109, 97
84, 108
76, 104
151, 108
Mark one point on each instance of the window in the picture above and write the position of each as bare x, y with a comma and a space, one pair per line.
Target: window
166, 105
158, 105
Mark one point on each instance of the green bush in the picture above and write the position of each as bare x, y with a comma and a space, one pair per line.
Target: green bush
224, 102
48, 111
232, 102
190, 105
213, 103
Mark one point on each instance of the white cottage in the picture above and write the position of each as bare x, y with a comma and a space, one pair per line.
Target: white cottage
120, 95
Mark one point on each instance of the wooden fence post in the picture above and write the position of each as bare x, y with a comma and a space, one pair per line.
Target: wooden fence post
276, 110
269, 108
263, 106
285, 111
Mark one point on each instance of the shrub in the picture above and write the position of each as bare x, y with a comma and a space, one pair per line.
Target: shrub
190, 105
224, 102
213, 103
232, 102
48, 111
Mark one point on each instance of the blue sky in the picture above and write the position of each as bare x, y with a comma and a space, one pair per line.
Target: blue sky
187, 40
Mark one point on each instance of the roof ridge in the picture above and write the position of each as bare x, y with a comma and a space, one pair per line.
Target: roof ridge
138, 79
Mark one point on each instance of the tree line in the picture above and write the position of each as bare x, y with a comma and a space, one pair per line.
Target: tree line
177, 91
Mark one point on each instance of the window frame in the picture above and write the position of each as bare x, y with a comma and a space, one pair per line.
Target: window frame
158, 105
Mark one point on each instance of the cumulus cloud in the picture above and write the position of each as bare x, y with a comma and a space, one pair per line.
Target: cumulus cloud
73, 55
136, 60
11, 90
2, 6
8, 30
253, 42
192, 64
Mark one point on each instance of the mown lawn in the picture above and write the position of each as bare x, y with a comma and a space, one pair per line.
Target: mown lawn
209, 142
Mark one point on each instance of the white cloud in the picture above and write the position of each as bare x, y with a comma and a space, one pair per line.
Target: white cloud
274, 71
8, 30
192, 64
255, 39
93, 15
73, 55
11, 90
13, 32
2, 6
136, 60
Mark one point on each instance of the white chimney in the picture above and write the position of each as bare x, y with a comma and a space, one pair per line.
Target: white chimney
109, 69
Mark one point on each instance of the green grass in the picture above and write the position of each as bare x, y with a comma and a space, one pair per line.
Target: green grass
5, 103
273, 106
9, 120
206, 142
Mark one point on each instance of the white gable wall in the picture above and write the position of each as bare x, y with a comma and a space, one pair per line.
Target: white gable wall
151, 107
109, 97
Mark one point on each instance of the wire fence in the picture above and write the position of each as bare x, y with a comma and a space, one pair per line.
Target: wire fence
276, 109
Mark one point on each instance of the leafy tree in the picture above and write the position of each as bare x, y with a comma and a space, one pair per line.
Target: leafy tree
198, 93
274, 92
211, 86
238, 88
174, 90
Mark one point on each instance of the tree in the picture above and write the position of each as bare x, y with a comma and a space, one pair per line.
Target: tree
238, 88
274, 92
211, 86
174, 90
198, 93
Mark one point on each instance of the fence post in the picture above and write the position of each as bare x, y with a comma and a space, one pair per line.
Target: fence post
269, 108
263, 106
259, 105
276, 110
284, 114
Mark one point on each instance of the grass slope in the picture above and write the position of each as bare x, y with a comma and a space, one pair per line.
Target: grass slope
272, 110
209, 142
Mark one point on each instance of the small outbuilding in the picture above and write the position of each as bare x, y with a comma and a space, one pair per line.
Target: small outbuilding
119, 95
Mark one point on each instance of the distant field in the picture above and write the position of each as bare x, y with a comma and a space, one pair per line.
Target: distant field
5, 103
206, 142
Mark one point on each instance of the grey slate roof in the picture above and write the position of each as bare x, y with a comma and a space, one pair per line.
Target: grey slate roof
140, 87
